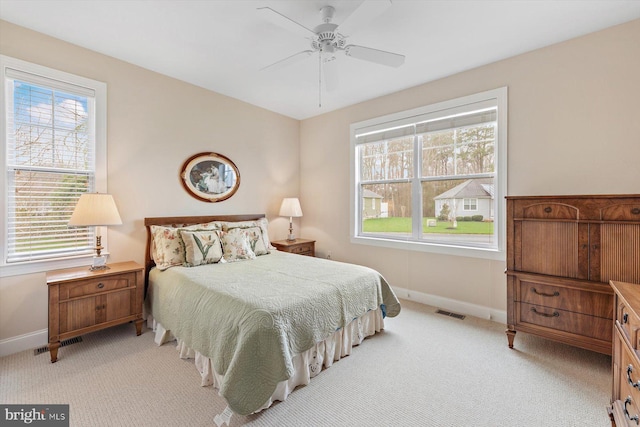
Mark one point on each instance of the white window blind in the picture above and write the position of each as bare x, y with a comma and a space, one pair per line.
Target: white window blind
50, 160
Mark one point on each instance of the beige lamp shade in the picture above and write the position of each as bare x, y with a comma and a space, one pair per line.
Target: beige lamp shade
291, 207
95, 209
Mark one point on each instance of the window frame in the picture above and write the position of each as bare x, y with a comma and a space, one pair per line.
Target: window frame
100, 103
403, 118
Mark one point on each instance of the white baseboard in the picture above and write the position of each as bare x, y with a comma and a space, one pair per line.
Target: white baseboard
24, 342
456, 306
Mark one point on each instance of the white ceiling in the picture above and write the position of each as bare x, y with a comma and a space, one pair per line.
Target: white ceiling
222, 45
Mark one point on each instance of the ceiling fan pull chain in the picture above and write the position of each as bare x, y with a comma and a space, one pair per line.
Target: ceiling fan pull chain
320, 79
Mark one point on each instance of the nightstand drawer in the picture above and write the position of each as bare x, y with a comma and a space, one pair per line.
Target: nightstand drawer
298, 246
94, 286
305, 249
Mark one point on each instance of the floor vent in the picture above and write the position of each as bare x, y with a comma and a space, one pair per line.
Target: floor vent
64, 343
450, 314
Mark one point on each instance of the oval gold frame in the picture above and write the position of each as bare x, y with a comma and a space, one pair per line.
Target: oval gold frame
210, 177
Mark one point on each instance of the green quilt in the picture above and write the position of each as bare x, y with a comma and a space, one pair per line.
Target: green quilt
251, 317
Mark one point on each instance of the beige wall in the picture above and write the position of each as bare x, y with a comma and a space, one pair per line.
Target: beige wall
154, 124
574, 128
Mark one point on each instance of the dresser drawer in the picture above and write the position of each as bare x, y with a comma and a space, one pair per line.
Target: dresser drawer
624, 413
630, 379
629, 324
567, 321
97, 285
569, 299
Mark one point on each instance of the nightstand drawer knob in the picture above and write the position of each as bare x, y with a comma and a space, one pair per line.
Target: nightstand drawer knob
100, 285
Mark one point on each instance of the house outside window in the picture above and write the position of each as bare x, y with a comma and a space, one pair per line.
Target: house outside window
440, 172
54, 132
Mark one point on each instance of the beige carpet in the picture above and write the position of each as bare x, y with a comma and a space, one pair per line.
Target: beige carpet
425, 369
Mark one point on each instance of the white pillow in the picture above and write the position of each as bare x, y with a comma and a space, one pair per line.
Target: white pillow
201, 247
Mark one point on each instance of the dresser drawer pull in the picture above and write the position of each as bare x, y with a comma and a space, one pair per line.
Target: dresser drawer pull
635, 211
547, 209
554, 314
629, 380
626, 412
535, 291
100, 285
625, 318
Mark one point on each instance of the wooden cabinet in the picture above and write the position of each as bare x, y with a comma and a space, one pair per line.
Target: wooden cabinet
82, 301
625, 396
298, 246
562, 251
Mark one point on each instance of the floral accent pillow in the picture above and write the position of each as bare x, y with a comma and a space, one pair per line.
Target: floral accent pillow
261, 223
167, 247
236, 245
254, 234
201, 247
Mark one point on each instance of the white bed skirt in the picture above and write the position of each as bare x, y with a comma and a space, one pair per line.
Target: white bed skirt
306, 365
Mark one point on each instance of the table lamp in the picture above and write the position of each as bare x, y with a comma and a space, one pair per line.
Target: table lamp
291, 207
95, 209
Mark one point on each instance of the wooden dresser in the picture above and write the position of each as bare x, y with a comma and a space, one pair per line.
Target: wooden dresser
625, 396
562, 251
83, 301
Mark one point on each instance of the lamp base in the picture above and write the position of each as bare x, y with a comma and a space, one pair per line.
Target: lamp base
99, 263
291, 238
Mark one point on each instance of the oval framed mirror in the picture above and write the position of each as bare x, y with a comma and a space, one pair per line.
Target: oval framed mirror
210, 177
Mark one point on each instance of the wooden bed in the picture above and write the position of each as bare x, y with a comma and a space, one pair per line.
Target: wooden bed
294, 315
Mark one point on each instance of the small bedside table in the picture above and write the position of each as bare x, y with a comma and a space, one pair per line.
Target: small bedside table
298, 246
82, 301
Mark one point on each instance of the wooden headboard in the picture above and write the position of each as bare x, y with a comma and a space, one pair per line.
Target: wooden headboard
181, 221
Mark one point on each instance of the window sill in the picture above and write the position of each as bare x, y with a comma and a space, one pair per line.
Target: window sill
443, 249
33, 267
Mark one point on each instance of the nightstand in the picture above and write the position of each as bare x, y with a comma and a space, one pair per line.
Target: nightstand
298, 246
83, 301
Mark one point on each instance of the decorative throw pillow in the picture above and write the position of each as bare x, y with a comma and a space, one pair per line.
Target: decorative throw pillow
201, 247
254, 234
167, 247
261, 223
236, 245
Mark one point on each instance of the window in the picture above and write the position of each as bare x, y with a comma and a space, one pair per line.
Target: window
440, 171
470, 204
54, 131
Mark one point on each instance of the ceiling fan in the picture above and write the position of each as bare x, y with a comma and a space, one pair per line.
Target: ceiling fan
327, 39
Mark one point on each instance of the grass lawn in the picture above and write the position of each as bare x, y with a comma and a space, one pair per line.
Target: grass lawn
403, 225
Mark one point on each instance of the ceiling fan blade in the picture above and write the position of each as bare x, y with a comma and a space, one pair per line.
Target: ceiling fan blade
296, 57
285, 22
330, 71
366, 12
374, 55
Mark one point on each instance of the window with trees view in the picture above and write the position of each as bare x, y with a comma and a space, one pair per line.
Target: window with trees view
438, 173
54, 144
